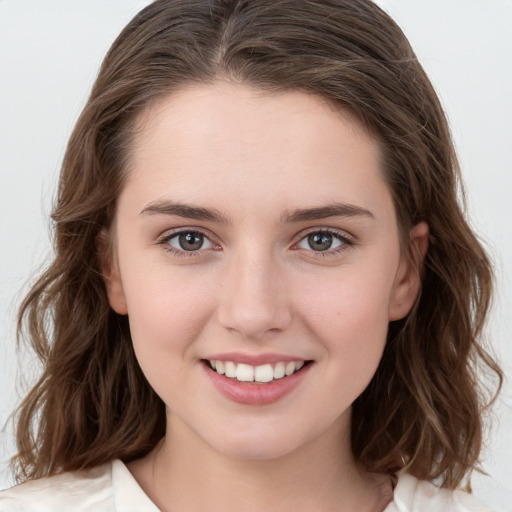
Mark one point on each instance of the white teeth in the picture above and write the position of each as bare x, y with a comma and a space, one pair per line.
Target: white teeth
230, 369
244, 373
290, 368
279, 371
263, 373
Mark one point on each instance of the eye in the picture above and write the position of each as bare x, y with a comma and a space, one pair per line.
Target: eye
188, 241
323, 241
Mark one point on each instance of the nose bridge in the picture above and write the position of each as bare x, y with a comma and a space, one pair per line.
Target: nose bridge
254, 300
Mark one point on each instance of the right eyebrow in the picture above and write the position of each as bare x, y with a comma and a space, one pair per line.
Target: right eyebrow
184, 210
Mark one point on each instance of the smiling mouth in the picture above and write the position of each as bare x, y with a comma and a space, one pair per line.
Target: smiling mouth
262, 374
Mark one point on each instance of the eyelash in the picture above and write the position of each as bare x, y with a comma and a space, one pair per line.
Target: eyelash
165, 239
346, 242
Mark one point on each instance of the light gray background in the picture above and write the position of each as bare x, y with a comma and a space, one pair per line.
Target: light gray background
50, 51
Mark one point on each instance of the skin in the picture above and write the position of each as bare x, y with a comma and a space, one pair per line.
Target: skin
257, 286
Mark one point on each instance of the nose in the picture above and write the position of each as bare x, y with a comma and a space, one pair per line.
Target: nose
254, 300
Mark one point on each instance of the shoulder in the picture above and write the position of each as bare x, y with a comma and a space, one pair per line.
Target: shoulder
413, 495
81, 490
107, 488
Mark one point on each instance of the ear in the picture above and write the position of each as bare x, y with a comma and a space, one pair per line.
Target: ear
408, 277
111, 275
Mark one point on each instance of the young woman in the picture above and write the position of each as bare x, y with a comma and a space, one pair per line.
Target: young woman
265, 293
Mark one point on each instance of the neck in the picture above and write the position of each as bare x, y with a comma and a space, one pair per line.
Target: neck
184, 473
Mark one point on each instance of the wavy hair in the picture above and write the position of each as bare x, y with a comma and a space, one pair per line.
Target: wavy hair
423, 408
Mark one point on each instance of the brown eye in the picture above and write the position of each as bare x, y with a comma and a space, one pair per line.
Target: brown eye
324, 241
189, 241
320, 241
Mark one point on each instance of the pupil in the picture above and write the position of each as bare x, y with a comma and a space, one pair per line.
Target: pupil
320, 241
191, 241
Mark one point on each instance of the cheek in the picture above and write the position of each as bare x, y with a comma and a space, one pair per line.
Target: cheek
348, 300
350, 322
166, 311
348, 313
166, 315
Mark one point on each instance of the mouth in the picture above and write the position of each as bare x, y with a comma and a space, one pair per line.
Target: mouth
258, 375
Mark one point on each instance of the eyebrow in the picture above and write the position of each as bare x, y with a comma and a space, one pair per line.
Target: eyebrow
212, 215
184, 210
324, 212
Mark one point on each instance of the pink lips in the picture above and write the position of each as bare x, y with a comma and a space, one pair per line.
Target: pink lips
251, 393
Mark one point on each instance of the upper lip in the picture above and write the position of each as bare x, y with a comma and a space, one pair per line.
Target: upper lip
254, 359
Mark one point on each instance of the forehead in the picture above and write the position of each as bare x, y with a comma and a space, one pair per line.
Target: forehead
202, 110
227, 138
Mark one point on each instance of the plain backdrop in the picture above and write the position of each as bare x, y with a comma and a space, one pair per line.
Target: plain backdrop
50, 51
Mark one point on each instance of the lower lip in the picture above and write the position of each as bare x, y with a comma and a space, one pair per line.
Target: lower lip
256, 394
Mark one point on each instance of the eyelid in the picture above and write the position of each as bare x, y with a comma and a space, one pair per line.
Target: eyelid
347, 240
324, 229
164, 238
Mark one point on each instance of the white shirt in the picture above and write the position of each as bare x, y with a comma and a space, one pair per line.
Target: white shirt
112, 488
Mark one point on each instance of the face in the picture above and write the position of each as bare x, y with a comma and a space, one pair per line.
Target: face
256, 239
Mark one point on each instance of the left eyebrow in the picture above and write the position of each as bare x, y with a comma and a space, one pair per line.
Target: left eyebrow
324, 212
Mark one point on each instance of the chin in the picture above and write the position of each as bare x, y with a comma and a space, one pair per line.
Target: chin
251, 445
258, 451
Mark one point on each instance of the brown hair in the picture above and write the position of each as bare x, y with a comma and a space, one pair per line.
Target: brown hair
423, 407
